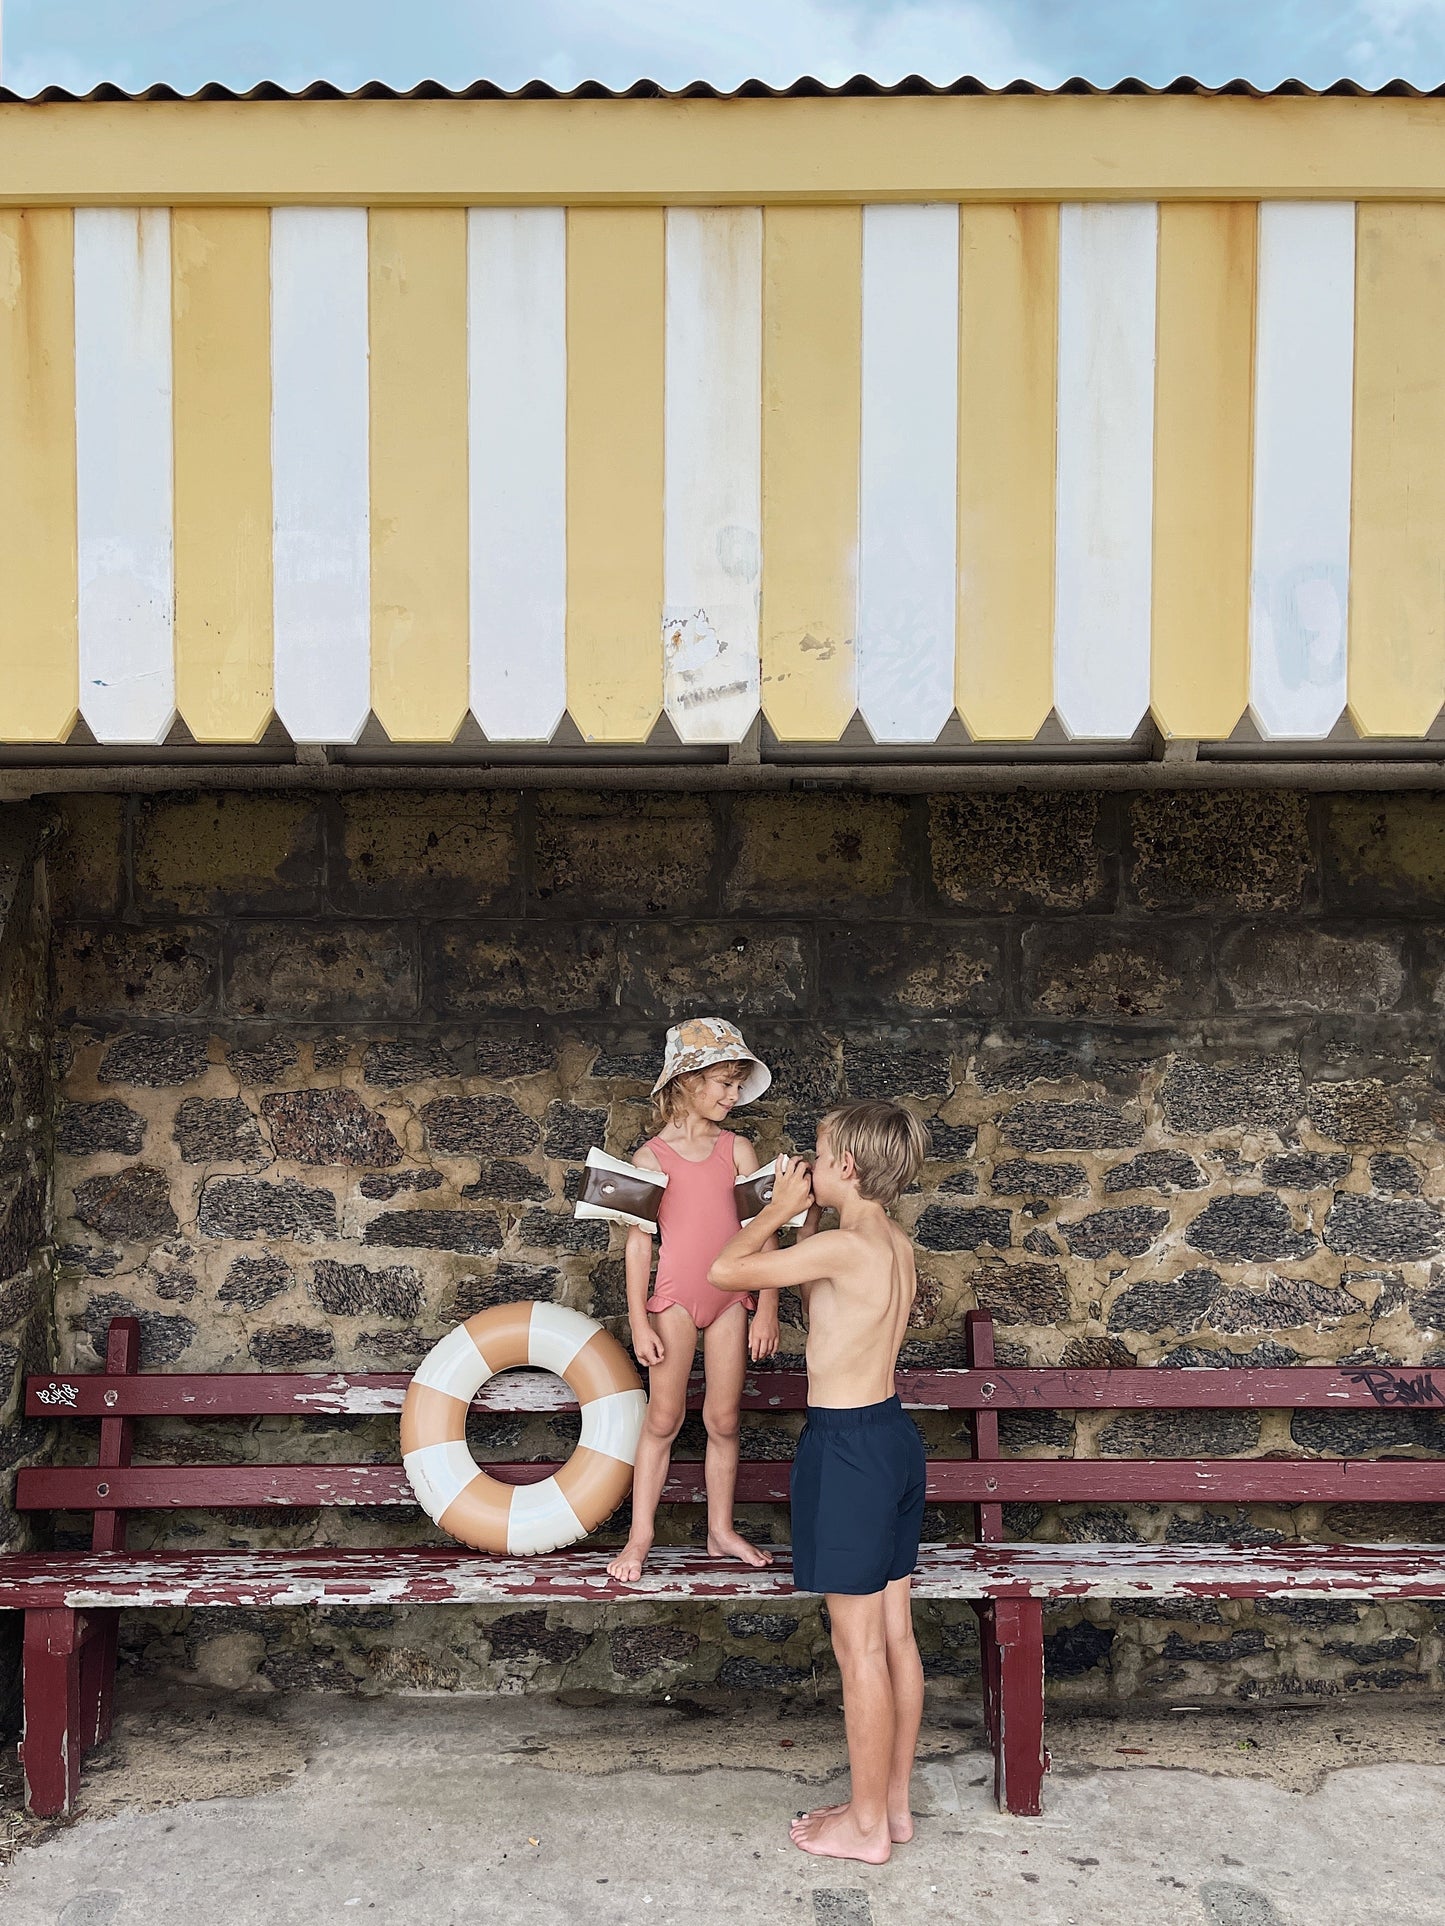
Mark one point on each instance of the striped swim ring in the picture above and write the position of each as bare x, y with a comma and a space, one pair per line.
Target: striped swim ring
519, 1519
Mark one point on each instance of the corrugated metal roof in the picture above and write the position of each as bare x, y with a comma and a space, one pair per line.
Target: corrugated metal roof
805, 88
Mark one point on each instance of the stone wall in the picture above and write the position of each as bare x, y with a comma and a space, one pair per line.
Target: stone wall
26, 1285
332, 1063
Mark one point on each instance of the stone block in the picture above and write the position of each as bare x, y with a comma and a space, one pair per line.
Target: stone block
478, 1126
740, 1673
879, 1070
85, 863
1073, 1650
290, 1347
504, 1178
1272, 966
1358, 1111
944, 1227
949, 1141
354, 1290
1129, 1232
776, 1627
1166, 1303
410, 851
1018, 850
1261, 1093
328, 1126
559, 1231
330, 970
1384, 854
1094, 1352
1069, 1126
384, 1186
164, 1335
1166, 1170
1306, 1170
527, 1635
216, 1130
1396, 1175
1024, 1177
1360, 1434
265, 1061
1220, 849
570, 1131
816, 852
86, 1129
674, 970
390, 1065
874, 970
1248, 1229
254, 1281
1022, 1294
155, 1062
135, 972
552, 969
22, 1211
961, 1183
636, 1650
1179, 1434
624, 854
1248, 1642
508, 1284
1094, 968
227, 854
1284, 1304
131, 1204
437, 1230
1398, 1231
245, 1207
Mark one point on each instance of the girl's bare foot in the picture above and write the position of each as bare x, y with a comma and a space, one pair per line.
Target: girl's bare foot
900, 1824
834, 1833
627, 1566
732, 1544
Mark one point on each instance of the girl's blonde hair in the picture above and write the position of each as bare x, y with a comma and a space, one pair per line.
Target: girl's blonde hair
668, 1104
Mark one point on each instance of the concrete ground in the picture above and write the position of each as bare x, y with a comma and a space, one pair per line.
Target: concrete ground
224, 1811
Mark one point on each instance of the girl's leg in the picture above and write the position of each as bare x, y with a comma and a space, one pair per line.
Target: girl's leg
666, 1406
725, 1361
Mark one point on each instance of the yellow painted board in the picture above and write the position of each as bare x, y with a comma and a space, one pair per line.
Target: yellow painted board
419, 606
39, 634
439, 152
1203, 400
812, 420
1397, 536
221, 377
615, 330
1008, 318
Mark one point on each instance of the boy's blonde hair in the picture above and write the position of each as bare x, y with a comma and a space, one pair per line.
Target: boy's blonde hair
886, 1142
668, 1106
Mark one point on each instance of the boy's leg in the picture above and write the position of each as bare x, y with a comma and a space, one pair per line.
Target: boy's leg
725, 1363
859, 1830
666, 1407
905, 1671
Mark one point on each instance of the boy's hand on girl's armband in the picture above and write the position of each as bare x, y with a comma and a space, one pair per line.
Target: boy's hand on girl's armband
793, 1188
647, 1346
763, 1336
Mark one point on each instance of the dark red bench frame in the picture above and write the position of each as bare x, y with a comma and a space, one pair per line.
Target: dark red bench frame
72, 1600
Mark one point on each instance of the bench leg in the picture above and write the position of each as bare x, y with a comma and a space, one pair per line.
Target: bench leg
52, 1746
1018, 1747
97, 1677
988, 1667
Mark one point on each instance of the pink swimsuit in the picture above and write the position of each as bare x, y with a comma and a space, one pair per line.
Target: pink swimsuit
697, 1216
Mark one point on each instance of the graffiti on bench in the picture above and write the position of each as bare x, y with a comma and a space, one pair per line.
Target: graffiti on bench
1394, 1388
57, 1394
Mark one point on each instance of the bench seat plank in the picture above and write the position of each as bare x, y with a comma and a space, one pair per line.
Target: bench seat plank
344, 1394
87, 1581
1279, 1481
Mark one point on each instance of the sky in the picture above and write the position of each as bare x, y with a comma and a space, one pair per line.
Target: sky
78, 43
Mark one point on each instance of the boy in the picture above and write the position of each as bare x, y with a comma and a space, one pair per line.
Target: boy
858, 1477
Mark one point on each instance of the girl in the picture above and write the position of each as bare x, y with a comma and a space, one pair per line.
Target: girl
708, 1070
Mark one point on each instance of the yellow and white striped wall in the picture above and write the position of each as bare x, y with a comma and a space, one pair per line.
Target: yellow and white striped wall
1095, 459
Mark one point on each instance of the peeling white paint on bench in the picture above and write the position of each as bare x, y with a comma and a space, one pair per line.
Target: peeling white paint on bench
417, 1575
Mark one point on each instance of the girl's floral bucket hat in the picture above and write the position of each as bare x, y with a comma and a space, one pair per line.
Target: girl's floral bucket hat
704, 1041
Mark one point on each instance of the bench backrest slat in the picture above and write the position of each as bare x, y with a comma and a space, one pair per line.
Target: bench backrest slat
1278, 1481
252, 1394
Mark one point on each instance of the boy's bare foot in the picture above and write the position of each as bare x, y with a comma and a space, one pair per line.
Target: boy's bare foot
900, 1824
836, 1834
627, 1566
732, 1544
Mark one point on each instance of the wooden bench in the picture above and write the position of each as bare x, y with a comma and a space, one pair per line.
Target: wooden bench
72, 1600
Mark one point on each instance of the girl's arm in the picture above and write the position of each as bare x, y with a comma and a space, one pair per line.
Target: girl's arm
637, 1262
763, 1327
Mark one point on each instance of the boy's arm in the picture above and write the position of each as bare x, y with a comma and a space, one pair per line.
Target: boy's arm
744, 1264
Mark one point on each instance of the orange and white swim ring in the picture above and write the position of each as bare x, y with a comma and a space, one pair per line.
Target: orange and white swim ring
518, 1519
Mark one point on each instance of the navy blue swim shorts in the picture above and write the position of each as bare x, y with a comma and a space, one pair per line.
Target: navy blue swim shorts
858, 1483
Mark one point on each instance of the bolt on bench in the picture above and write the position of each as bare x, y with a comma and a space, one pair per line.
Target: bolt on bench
72, 1600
